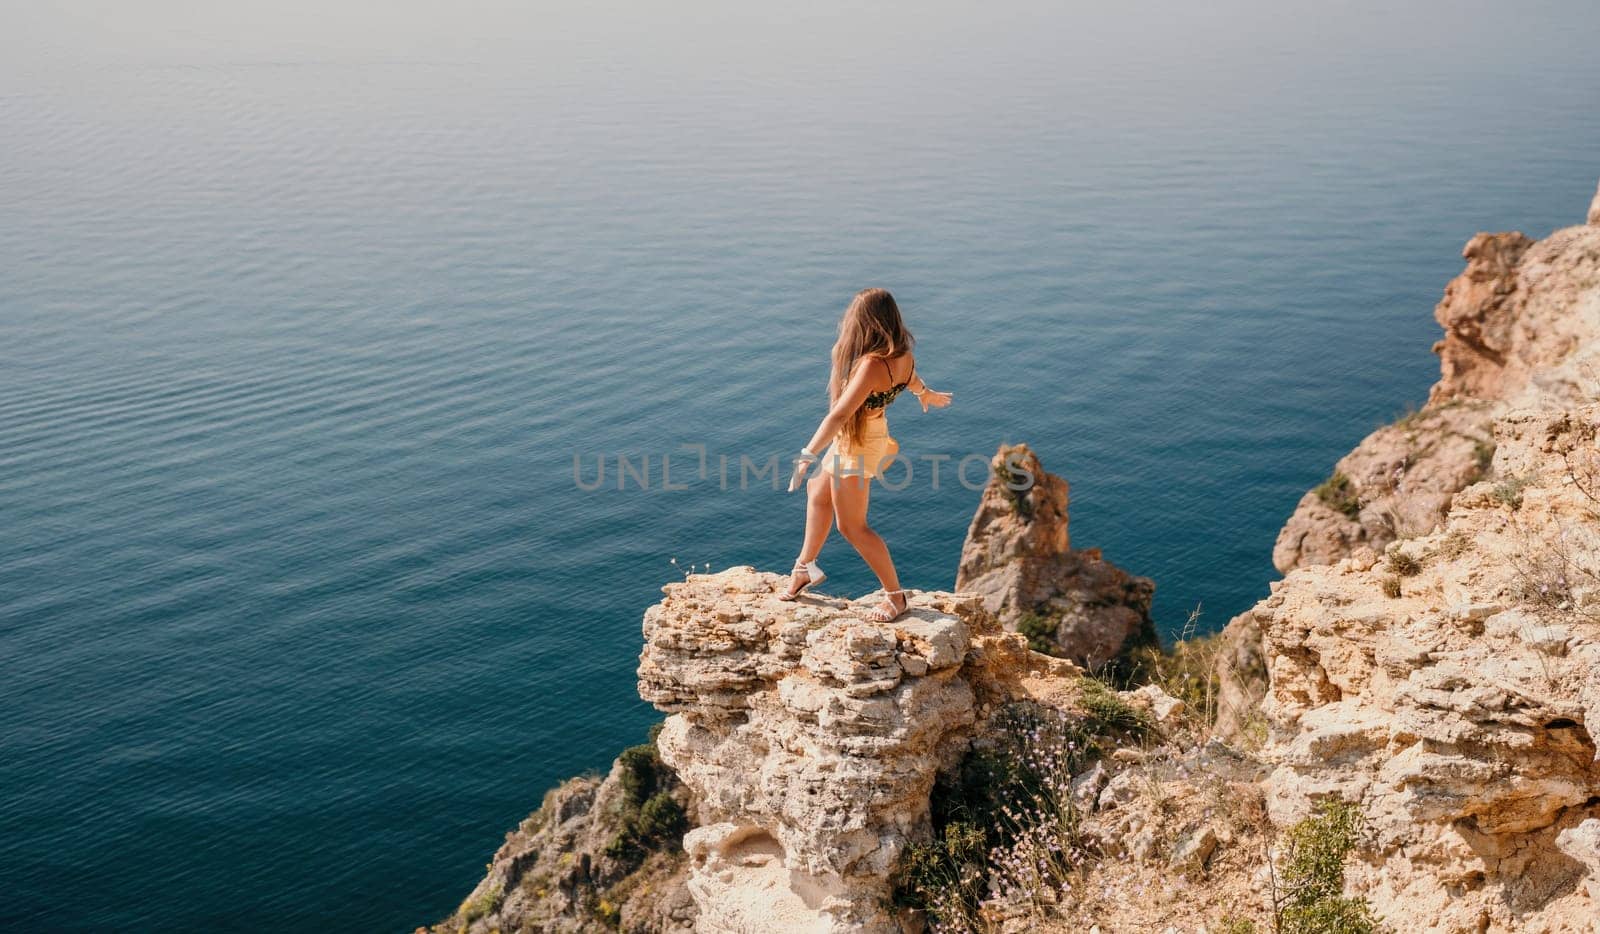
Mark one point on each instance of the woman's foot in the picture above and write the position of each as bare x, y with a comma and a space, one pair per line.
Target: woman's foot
806, 574
892, 608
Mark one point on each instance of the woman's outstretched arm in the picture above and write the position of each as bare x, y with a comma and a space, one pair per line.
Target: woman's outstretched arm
930, 398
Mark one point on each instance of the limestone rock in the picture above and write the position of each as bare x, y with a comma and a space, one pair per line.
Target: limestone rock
1521, 329
1163, 707
810, 738
1086, 788
1194, 849
1241, 672
1461, 716
1479, 314
1017, 559
1582, 843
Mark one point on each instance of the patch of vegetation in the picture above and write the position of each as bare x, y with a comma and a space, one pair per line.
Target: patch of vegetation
1013, 482
482, 904
1188, 672
1391, 587
945, 878
1508, 492
609, 914
1453, 546
1254, 731
1040, 632
1107, 714
1308, 888
996, 795
651, 817
1191, 671
1339, 492
1403, 563
643, 772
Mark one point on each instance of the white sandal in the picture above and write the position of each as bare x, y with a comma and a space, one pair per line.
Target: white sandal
885, 611
814, 576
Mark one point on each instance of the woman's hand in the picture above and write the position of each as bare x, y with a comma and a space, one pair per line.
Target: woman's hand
933, 400
801, 465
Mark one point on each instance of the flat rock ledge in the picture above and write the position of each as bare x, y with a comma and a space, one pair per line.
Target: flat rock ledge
810, 738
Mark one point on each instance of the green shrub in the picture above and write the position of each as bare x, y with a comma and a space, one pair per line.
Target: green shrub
945, 878
1107, 714
661, 819
1040, 633
1308, 896
643, 773
985, 803
650, 818
484, 903
1339, 492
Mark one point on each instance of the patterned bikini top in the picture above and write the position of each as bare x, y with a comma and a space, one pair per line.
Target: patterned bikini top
881, 399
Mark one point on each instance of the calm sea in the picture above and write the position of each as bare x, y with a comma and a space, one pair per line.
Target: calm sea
306, 309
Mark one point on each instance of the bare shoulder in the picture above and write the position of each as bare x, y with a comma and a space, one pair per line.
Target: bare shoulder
903, 366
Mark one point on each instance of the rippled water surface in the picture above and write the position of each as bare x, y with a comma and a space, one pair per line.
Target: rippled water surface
304, 315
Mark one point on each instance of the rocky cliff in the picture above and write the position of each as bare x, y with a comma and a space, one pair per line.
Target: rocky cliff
810, 739
1401, 736
1436, 656
804, 741
1521, 328
600, 854
1451, 688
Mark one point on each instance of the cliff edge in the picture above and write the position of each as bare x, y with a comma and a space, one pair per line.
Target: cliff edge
811, 737
1521, 330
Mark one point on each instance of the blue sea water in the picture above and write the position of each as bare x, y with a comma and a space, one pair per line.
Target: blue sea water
306, 310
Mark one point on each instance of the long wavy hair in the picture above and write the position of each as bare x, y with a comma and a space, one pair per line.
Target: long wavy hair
871, 326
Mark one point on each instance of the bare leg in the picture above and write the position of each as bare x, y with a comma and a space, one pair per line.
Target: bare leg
819, 515
819, 520
850, 498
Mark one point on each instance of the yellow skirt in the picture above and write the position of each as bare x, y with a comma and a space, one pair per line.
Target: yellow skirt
868, 458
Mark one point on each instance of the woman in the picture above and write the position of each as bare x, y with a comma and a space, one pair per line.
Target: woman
872, 364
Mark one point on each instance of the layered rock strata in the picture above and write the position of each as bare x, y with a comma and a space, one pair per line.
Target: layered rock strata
1452, 688
810, 739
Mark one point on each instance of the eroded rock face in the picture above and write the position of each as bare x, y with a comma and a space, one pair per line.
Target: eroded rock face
1479, 314
1522, 329
559, 871
810, 739
1462, 713
1017, 558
